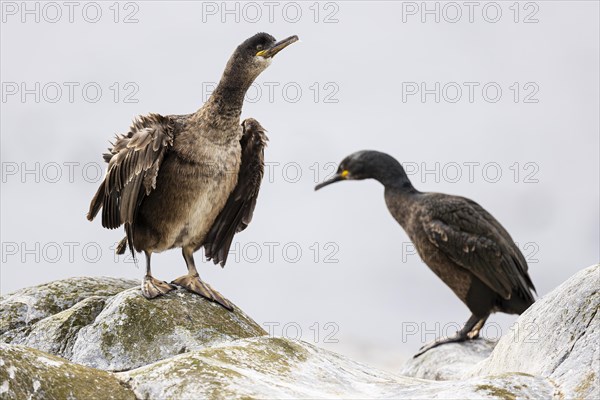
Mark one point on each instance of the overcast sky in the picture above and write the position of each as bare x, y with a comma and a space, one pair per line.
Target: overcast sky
495, 102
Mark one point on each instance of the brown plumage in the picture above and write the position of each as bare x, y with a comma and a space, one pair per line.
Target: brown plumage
237, 213
133, 164
463, 244
170, 177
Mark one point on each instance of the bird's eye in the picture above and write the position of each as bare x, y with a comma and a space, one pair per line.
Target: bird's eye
259, 47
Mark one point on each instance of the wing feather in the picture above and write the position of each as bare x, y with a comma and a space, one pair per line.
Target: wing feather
237, 212
473, 239
133, 165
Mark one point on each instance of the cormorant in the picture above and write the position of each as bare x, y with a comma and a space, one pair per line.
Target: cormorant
463, 244
189, 180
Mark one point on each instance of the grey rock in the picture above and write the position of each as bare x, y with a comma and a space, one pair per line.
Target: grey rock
557, 338
106, 323
282, 368
21, 309
183, 346
450, 361
26, 373
132, 331
57, 333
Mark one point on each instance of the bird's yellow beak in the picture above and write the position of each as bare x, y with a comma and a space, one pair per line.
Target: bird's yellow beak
277, 47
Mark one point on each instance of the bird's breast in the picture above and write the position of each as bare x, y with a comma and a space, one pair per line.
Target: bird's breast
191, 193
413, 216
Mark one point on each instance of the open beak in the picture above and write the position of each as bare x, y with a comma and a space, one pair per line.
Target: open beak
336, 178
277, 47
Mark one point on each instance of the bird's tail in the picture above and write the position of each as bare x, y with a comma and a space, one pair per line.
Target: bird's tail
122, 246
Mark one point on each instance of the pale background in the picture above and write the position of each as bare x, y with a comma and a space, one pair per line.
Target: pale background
372, 295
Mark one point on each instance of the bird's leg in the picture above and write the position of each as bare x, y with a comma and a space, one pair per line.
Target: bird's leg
476, 329
152, 287
469, 331
193, 283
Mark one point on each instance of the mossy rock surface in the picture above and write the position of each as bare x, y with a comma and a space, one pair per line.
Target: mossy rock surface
132, 331
183, 346
20, 310
265, 367
57, 333
26, 373
106, 323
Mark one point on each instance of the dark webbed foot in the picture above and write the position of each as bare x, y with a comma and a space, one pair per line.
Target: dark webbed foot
193, 283
438, 342
152, 287
469, 332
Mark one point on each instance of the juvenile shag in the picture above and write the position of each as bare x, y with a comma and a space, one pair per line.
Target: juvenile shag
461, 242
180, 180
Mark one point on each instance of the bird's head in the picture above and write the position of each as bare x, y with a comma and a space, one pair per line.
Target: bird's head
255, 54
368, 164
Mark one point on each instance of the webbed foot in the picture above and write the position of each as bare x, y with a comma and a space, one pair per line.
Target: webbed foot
193, 283
438, 342
470, 331
152, 287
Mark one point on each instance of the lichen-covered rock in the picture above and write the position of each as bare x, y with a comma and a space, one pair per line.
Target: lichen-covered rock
106, 323
132, 331
57, 333
281, 368
183, 346
558, 338
21, 309
27, 373
450, 361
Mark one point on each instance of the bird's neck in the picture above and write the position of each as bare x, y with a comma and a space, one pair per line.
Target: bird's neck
397, 183
399, 191
404, 190
224, 107
400, 198
391, 175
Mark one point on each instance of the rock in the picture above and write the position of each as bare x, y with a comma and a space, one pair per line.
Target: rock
57, 333
27, 373
450, 361
181, 345
132, 331
557, 337
101, 325
21, 309
282, 368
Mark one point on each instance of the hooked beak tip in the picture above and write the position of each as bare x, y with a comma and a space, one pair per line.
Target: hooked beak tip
334, 179
277, 47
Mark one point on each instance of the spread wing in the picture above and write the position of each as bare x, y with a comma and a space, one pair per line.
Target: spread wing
237, 213
475, 240
133, 164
